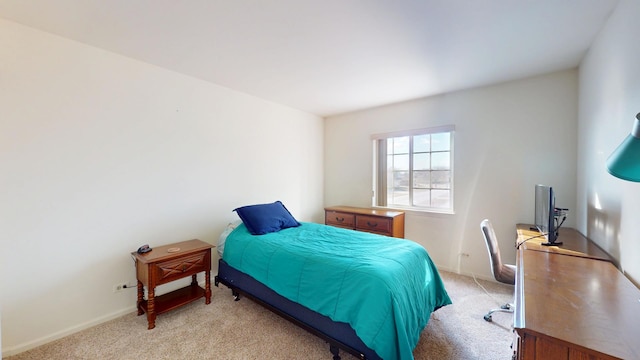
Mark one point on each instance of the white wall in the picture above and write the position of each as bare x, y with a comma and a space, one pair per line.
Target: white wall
609, 101
508, 138
100, 154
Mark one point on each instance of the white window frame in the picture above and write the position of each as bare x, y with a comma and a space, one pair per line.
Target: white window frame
380, 170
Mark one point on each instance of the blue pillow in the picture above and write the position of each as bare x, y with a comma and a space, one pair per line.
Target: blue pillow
266, 218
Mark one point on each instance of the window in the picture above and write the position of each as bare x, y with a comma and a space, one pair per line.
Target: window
414, 169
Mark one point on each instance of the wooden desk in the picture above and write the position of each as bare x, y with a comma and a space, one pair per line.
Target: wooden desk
574, 307
573, 243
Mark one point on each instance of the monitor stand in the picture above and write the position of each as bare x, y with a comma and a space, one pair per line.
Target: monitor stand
555, 243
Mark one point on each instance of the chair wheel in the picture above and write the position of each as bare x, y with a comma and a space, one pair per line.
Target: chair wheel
488, 318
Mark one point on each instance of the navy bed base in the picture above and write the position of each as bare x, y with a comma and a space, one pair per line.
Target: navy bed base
339, 335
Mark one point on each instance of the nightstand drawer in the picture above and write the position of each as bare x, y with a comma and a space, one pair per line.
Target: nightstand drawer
175, 269
340, 219
373, 223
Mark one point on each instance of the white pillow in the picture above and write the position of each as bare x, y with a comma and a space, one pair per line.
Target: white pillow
223, 237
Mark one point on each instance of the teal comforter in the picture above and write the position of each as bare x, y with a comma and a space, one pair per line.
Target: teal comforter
385, 288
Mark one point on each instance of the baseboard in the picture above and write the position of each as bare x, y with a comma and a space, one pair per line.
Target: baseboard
60, 334
71, 330
447, 269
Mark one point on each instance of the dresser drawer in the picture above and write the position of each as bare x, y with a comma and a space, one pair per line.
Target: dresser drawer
373, 224
341, 219
175, 269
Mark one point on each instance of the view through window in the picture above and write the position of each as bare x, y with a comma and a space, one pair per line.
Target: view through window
414, 169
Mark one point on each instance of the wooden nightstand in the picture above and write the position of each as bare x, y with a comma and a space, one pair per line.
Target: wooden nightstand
383, 222
168, 263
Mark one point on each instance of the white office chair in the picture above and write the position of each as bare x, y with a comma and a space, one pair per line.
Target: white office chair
504, 273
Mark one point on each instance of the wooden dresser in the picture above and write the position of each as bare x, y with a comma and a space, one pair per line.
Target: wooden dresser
383, 222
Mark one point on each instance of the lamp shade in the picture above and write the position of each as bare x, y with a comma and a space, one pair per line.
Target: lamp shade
624, 162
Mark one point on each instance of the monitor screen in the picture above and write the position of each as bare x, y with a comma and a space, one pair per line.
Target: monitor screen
541, 205
545, 214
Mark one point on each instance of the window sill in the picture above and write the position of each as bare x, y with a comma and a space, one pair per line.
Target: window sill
417, 211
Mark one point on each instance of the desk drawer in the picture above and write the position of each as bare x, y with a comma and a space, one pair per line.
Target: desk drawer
373, 224
178, 268
340, 219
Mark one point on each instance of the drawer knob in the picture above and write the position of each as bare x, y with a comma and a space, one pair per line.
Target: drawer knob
372, 224
184, 267
339, 219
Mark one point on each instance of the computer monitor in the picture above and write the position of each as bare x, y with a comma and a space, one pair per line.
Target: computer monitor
546, 214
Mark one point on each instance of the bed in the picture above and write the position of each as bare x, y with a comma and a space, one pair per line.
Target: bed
367, 294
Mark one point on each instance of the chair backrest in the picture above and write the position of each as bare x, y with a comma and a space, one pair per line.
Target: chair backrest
501, 272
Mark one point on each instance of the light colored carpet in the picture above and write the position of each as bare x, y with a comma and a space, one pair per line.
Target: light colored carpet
226, 329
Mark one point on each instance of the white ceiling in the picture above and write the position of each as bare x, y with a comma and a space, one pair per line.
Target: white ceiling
332, 56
